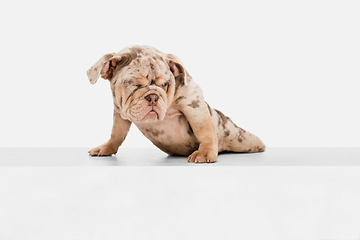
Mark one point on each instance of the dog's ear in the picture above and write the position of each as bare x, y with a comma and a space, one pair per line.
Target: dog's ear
177, 69
106, 65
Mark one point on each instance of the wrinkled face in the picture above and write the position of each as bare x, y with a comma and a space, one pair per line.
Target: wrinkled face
144, 89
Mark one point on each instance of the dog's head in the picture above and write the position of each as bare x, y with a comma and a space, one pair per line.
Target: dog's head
143, 81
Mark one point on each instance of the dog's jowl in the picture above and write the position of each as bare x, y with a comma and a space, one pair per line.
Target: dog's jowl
154, 91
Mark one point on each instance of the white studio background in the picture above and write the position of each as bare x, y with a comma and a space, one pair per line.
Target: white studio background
288, 71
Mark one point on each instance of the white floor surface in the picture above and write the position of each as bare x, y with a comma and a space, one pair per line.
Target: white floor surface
155, 157
281, 194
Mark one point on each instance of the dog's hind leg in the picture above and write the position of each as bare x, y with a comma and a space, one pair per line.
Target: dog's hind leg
244, 141
233, 138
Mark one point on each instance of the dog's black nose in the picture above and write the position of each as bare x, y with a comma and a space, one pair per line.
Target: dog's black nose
152, 99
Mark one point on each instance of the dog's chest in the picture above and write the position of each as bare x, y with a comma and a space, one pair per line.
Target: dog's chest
172, 135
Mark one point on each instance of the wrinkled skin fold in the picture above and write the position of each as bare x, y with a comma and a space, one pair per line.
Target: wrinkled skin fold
154, 91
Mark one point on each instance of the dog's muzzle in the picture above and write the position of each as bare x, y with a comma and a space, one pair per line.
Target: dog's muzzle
152, 99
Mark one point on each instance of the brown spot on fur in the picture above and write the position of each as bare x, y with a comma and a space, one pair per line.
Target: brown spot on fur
155, 132
188, 145
222, 118
152, 67
124, 61
194, 104
258, 149
241, 136
179, 81
227, 133
229, 119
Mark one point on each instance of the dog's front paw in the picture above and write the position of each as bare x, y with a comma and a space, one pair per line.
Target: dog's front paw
103, 150
203, 156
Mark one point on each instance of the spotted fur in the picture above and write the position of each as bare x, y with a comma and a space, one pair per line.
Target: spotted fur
177, 119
